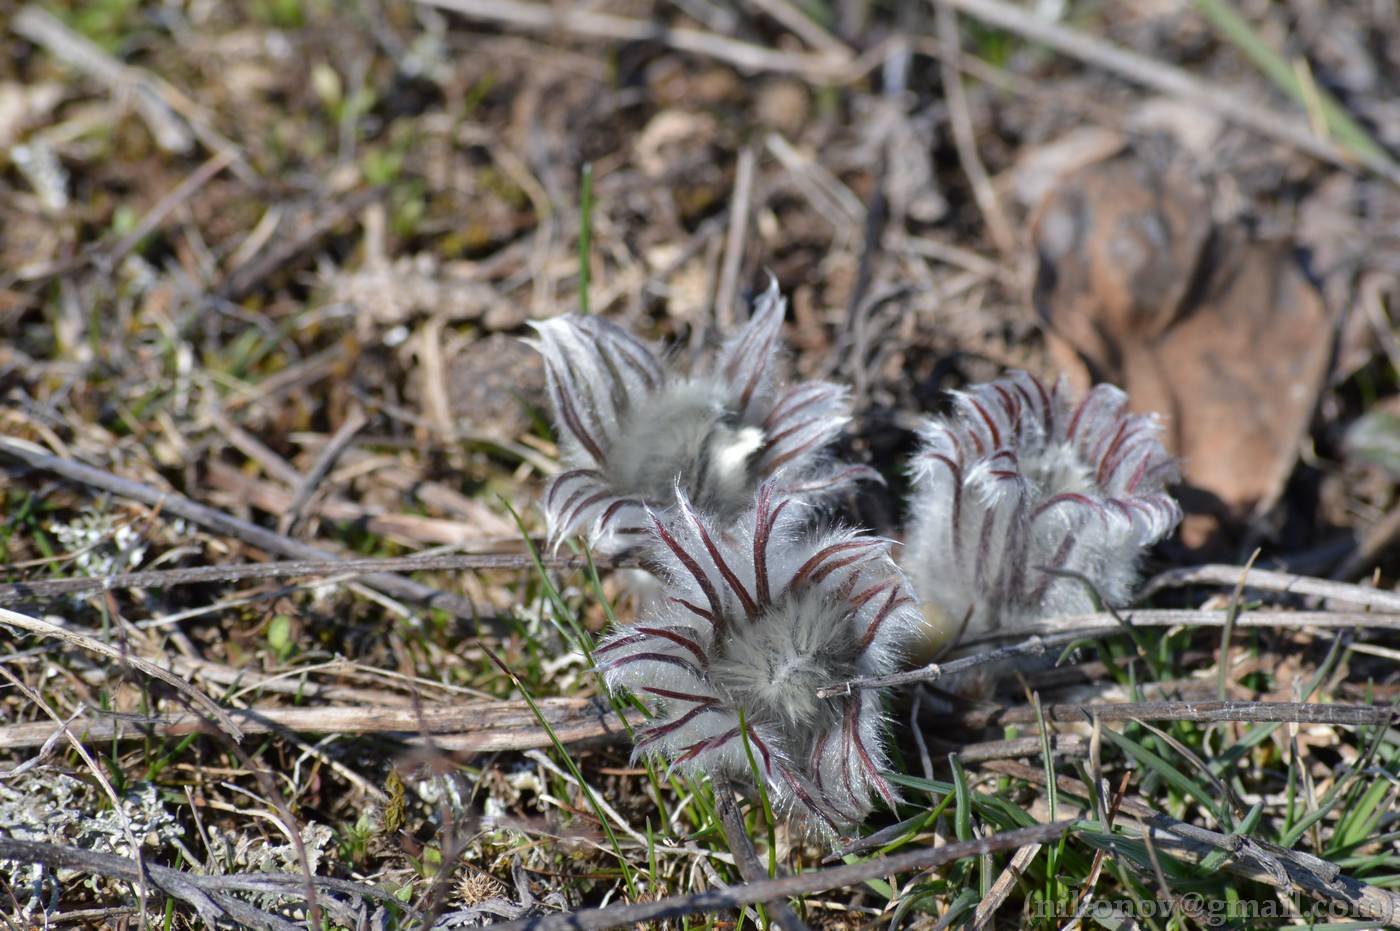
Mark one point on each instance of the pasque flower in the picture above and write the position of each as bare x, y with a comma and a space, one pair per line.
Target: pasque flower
630, 430
758, 619
1019, 479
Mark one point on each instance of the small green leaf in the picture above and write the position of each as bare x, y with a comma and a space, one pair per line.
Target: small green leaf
279, 636
1375, 439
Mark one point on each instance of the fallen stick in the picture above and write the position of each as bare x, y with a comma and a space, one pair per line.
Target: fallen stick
235, 572
214, 519
209, 895
1272, 581
1168, 79
746, 858
488, 726
828, 66
652, 913
47, 629
1062, 631
477, 726
1248, 711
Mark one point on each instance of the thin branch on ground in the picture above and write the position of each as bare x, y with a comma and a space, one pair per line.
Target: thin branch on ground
214, 519
355, 421
1272, 581
475, 727
1171, 80
138, 861
15, 592
1065, 630
825, 67
1246, 711
788, 886
1006, 882
268, 261
208, 895
746, 858
739, 209
965, 134
92, 645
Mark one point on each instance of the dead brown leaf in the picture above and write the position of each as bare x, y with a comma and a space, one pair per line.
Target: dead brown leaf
1223, 336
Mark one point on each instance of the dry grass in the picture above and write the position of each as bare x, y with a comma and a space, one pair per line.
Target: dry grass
262, 267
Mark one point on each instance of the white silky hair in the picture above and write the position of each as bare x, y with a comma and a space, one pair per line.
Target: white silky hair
775, 665
629, 428
834, 606
684, 434
1018, 478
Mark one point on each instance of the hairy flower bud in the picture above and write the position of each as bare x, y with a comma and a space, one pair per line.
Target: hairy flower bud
1018, 479
756, 620
630, 430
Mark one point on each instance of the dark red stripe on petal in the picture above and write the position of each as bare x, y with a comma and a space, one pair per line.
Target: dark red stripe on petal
640, 359
750, 608
679, 640
564, 478
762, 748
799, 790
693, 567
571, 419
800, 577
782, 436
653, 734
759, 366
706, 745
859, 600
772, 466
680, 696
1056, 562
584, 505
798, 399
1069, 497
694, 609
821, 574
987, 419
835, 480
761, 529
1105, 461
952, 466
615, 508
649, 657
867, 763
895, 600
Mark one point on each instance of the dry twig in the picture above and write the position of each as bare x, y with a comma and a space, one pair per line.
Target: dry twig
208, 895
746, 858
44, 628
788, 886
965, 135
325, 461
1167, 79
1065, 630
214, 519
478, 726
15, 592
743, 55
1272, 581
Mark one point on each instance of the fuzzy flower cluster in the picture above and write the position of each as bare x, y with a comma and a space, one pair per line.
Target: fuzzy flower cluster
757, 620
718, 478
1022, 495
630, 429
